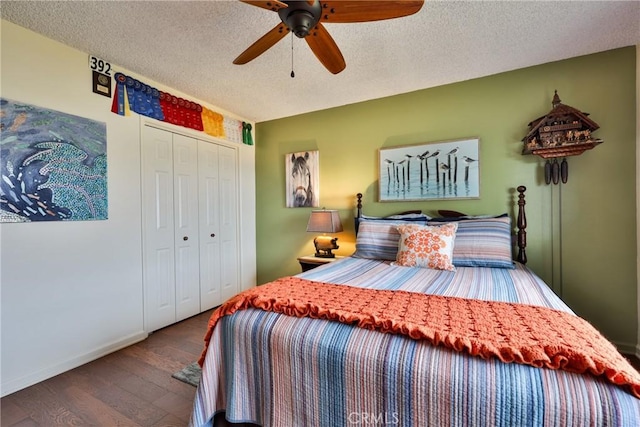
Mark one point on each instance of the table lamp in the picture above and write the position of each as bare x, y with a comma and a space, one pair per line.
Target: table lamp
325, 221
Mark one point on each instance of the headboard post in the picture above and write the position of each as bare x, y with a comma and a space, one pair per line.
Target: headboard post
358, 212
522, 225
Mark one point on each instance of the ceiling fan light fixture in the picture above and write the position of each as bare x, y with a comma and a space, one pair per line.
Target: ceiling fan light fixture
300, 22
300, 17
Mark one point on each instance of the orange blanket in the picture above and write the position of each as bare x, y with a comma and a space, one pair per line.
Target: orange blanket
526, 334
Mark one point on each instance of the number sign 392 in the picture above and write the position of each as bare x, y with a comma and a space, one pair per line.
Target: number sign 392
99, 65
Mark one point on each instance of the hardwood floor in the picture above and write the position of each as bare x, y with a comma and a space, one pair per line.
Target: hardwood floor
131, 387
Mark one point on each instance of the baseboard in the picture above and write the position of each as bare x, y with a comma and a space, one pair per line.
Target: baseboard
35, 377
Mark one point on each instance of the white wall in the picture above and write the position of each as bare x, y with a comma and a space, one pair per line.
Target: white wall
72, 291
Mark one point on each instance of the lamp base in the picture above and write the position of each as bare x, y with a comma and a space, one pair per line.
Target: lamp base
324, 255
324, 245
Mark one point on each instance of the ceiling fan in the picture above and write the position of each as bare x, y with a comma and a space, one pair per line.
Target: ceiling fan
306, 18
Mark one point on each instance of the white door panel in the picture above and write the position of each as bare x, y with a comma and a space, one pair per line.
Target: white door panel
229, 278
209, 200
158, 228
185, 166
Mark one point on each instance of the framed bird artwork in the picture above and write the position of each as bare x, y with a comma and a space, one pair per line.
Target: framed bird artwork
430, 171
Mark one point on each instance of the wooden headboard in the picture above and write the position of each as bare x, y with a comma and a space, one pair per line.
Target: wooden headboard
521, 221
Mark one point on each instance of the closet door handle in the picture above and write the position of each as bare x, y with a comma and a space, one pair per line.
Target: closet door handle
185, 238
213, 234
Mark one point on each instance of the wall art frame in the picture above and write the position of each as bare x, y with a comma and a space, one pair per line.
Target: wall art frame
54, 165
430, 171
302, 171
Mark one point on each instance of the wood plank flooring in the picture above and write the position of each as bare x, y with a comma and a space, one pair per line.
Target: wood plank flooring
131, 387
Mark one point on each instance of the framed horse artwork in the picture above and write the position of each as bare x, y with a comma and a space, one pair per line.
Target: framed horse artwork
303, 179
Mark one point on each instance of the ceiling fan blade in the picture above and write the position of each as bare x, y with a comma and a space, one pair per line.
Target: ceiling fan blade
262, 44
325, 49
273, 5
340, 11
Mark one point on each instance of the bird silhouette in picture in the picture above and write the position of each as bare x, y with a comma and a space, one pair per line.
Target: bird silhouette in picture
435, 155
453, 153
445, 170
468, 161
408, 158
390, 170
423, 158
401, 164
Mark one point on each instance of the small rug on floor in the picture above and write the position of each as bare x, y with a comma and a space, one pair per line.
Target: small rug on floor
190, 374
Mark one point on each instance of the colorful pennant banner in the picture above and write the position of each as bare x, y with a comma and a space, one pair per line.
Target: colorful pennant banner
133, 95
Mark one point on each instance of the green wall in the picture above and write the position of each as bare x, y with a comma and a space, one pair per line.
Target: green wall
581, 235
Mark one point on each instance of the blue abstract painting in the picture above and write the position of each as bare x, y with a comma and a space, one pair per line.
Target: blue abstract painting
53, 165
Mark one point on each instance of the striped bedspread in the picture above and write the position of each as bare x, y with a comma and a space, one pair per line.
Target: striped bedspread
275, 370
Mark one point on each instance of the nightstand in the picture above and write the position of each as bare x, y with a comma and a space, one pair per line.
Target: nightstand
310, 261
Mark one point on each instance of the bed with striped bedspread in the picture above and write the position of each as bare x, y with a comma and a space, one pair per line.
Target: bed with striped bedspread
275, 370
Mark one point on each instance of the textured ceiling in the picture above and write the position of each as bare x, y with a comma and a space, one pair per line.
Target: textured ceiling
190, 46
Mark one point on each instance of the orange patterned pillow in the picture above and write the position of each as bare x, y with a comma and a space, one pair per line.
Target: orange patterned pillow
427, 246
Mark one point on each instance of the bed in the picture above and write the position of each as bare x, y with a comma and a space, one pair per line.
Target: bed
274, 358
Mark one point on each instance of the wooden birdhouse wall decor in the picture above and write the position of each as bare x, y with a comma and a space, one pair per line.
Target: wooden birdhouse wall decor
564, 131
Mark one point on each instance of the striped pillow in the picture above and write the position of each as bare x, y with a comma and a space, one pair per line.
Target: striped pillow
483, 242
378, 239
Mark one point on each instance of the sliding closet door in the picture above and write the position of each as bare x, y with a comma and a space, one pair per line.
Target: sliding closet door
158, 228
185, 200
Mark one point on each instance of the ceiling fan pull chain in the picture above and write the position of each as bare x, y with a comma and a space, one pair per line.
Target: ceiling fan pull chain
292, 73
